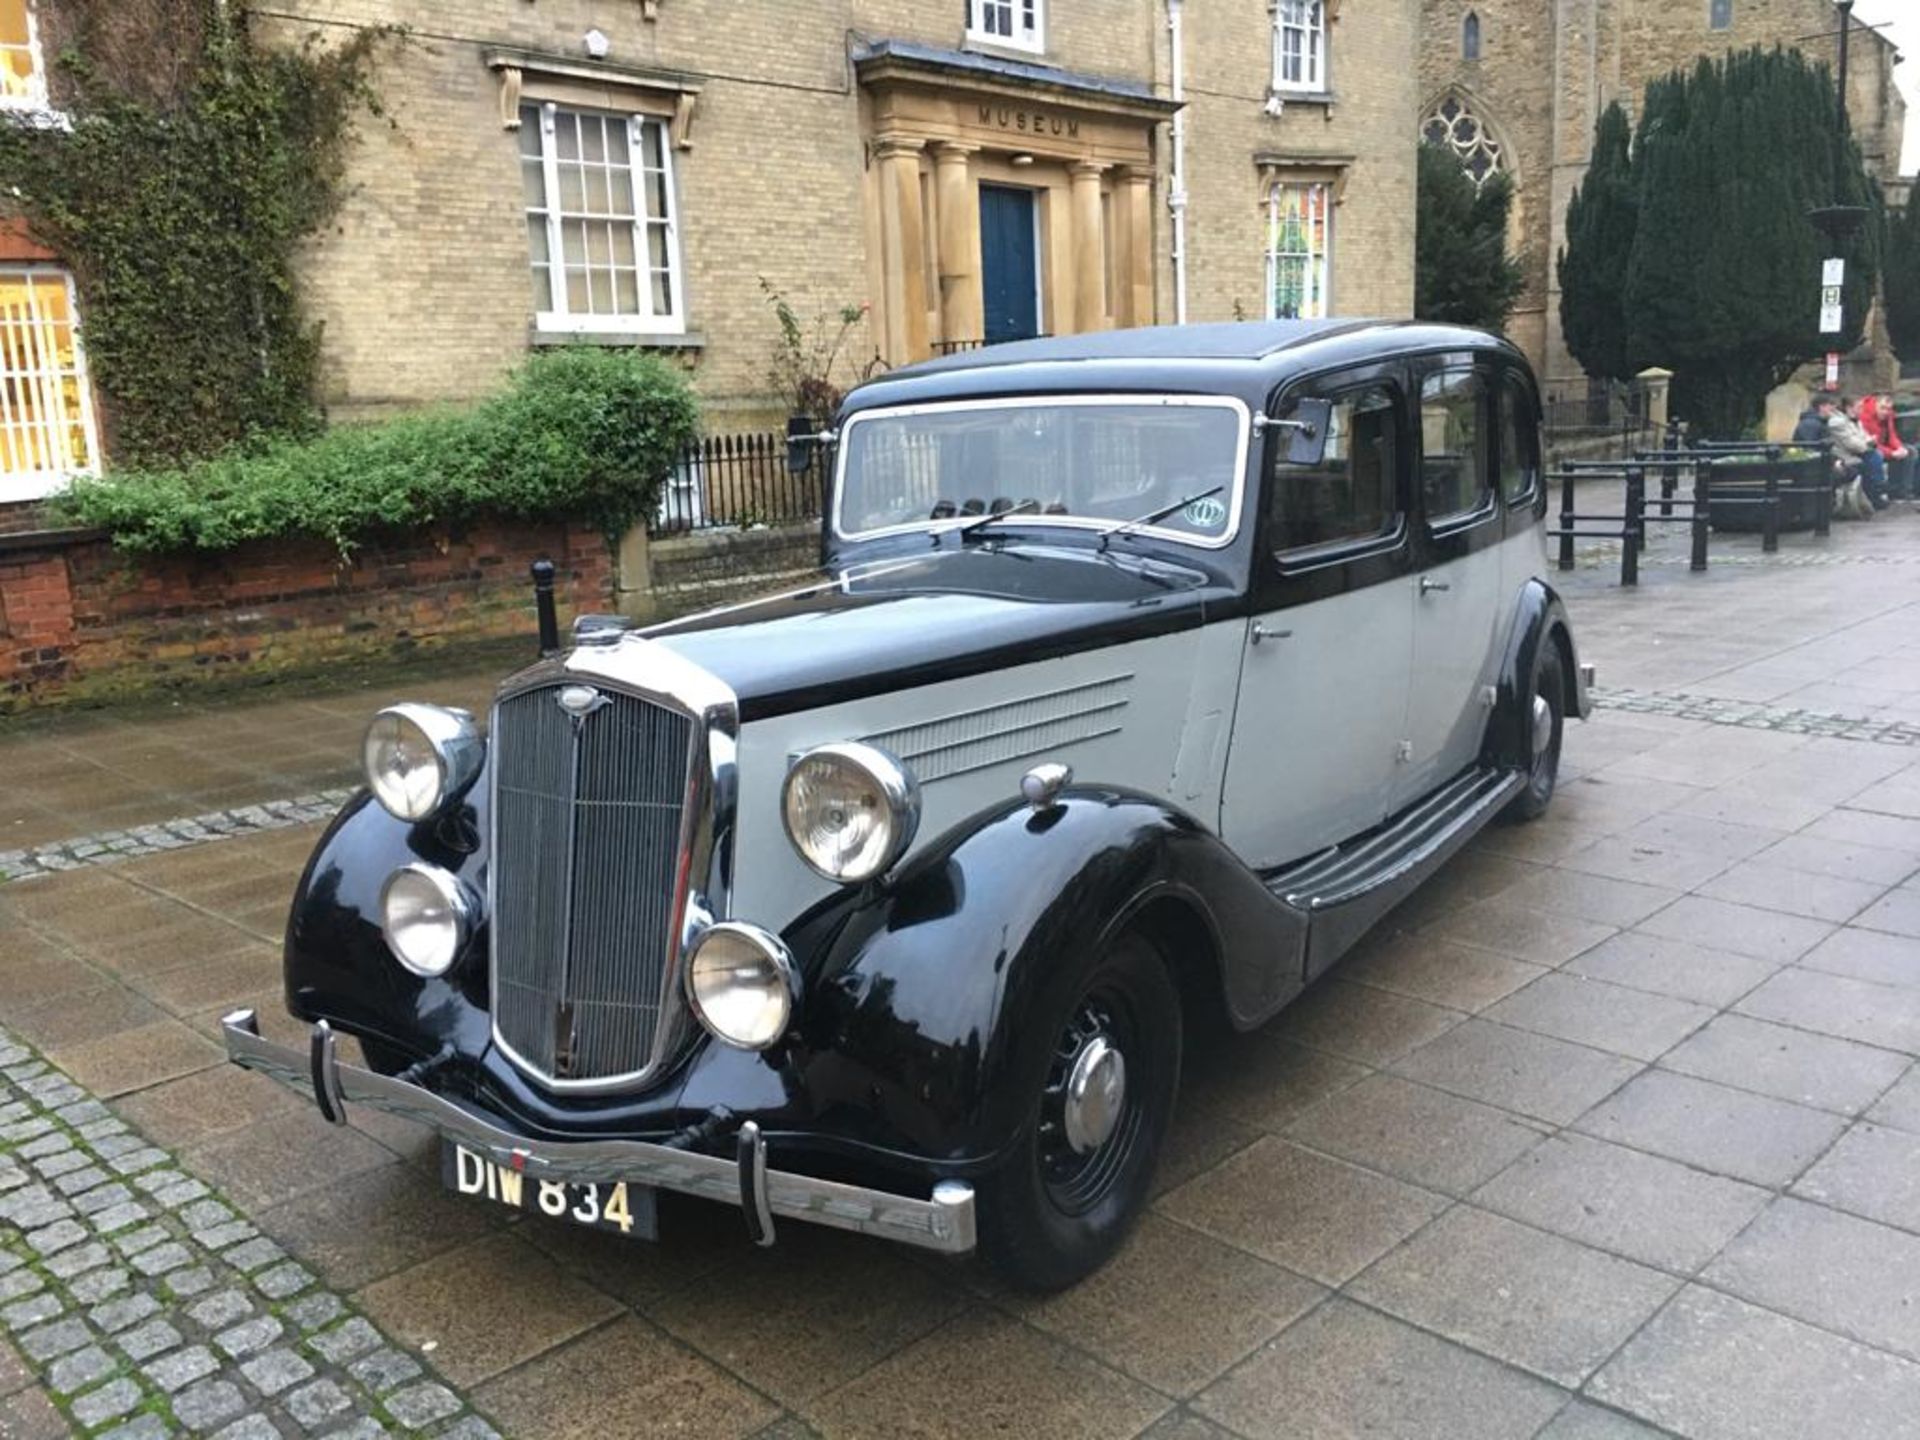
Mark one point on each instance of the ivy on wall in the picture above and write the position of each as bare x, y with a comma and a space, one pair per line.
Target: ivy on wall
193, 162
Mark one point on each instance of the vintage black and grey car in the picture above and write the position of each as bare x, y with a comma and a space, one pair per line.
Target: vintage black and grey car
1148, 669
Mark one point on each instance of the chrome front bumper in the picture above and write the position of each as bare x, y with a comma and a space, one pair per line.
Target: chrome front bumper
943, 1223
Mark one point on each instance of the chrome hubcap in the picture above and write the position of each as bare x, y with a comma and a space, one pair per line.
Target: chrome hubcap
1096, 1095
1542, 726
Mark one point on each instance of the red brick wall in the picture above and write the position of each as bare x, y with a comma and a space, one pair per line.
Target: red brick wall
79, 620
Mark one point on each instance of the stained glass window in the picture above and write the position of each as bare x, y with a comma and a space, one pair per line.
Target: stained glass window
46, 408
601, 232
1457, 128
1299, 232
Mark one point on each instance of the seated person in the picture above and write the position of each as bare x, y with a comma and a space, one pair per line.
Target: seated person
1854, 449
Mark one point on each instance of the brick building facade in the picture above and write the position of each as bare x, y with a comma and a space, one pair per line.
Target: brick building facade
933, 159
1521, 83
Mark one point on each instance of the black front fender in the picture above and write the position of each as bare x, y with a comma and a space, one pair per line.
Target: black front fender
937, 998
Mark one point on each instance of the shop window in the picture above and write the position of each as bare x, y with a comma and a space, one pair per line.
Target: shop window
1720, 14
1020, 23
1299, 242
23, 79
1300, 45
1470, 37
46, 410
601, 221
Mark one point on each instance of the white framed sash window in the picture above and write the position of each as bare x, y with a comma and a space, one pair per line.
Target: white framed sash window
47, 432
1018, 23
1299, 46
602, 227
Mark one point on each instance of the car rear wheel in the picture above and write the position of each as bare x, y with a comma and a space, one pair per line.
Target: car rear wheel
1544, 723
1080, 1175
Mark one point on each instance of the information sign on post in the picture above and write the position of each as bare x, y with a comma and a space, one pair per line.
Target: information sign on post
1833, 275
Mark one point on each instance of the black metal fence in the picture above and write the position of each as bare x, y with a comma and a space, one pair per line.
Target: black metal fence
1605, 410
738, 482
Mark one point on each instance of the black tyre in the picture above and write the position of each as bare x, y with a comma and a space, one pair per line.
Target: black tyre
1080, 1175
1543, 725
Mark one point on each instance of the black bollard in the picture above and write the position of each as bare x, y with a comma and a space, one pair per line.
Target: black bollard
543, 607
1634, 530
1770, 521
1702, 485
1566, 520
1669, 482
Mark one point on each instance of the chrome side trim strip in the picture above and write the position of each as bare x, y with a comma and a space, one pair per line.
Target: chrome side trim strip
944, 1223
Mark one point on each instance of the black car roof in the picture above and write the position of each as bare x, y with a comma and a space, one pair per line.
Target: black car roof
1245, 358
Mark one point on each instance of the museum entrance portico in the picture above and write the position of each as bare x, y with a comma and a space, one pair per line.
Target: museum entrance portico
1004, 199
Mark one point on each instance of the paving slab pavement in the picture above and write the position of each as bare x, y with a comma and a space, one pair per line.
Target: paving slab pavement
1612, 1130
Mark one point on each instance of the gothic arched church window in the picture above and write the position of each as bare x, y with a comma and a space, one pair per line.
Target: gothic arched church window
1456, 127
1470, 37
1720, 14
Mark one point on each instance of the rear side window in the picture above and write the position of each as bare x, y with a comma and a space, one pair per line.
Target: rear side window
1453, 444
1519, 441
1354, 492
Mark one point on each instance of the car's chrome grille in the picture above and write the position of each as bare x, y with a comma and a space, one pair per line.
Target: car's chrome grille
588, 816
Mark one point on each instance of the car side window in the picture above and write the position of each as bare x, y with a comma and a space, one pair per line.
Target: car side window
1453, 444
1519, 442
1353, 493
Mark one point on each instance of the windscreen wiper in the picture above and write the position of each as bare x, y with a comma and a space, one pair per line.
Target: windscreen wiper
1165, 510
1025, 507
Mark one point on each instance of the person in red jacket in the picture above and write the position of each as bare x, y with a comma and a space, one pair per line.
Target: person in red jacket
1876, 418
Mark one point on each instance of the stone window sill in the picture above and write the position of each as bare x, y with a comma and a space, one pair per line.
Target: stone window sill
617, 339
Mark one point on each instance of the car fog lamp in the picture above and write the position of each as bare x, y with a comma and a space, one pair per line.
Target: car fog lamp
426, 915
420, 757
850, 810
742, 984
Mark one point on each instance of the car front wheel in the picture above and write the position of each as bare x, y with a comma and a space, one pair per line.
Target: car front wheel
1545, 721
1081, 1173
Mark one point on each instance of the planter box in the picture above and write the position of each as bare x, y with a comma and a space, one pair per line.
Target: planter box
1740, 487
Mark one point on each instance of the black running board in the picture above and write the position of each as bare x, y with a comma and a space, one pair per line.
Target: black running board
1344, 890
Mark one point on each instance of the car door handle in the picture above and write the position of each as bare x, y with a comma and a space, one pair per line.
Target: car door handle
1261, 632
1428, 585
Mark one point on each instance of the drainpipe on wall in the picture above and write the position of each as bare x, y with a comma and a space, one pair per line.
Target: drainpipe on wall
1177, 196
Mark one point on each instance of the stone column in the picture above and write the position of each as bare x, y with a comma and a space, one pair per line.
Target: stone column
1135, 302
1089, 248
961, 313
902, 251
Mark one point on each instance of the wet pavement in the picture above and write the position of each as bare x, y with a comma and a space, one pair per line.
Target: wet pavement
1612, 1131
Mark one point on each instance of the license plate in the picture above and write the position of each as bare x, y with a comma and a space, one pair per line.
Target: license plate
616, 1205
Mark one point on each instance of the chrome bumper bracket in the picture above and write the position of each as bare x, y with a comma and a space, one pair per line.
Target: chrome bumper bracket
944, 1223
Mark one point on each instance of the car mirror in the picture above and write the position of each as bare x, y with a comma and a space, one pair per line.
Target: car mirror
1307, 431
800, 442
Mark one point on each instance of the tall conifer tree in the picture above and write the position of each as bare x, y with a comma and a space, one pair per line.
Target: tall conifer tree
1462, 272
1601, 221
1722, 281
1902, 282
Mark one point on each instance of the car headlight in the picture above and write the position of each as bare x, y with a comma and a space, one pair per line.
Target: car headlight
420, 757
850, 810
742, 984
426, 915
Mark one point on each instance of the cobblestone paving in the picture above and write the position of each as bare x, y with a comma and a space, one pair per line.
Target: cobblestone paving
150, 1306
111, 845
1716, 710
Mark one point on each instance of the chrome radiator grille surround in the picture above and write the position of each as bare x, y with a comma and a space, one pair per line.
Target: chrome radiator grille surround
598, 807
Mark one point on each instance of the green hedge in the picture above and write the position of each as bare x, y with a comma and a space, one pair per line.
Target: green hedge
581, 434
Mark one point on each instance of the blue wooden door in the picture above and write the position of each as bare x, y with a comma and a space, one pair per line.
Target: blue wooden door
1009, 280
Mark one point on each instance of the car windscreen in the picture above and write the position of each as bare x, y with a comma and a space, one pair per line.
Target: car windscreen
1076, 462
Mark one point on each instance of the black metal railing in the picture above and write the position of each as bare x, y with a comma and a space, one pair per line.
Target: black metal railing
738, 482
958, 347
